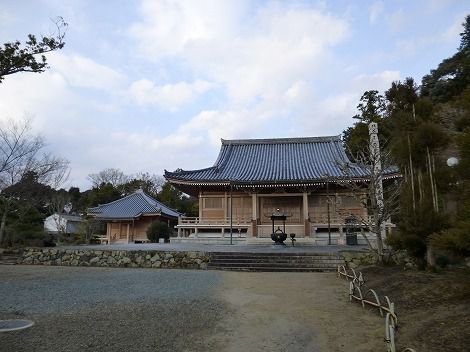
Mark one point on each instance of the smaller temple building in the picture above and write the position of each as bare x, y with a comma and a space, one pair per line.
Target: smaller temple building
62, 224
128, 218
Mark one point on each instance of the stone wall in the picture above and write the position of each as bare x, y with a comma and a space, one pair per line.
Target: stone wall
110, 258
354, 259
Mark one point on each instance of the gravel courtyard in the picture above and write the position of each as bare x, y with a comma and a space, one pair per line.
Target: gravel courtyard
101, 309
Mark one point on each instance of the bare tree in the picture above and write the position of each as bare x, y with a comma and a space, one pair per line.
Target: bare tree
88, 228
155, 182
17, 146
57, 205
381, 199
115, 177
20, 156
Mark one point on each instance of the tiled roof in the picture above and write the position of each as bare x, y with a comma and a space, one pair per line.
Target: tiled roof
256, 161
132, 206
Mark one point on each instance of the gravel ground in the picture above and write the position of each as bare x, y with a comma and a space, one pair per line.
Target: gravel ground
80, 309
120, 309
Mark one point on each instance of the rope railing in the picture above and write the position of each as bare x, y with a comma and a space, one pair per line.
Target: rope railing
356, 281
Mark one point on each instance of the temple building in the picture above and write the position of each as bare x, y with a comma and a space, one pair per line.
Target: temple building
128, 218
304, 178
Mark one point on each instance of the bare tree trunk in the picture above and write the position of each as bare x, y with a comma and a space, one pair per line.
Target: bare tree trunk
430, 259
380, 247
4, 220
431, 181
378, 235
420, 187
366, 239
411, 174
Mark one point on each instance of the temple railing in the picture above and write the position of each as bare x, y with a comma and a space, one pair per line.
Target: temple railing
318, 218
194, 220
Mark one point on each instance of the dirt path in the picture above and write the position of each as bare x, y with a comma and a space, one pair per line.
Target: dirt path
294, 312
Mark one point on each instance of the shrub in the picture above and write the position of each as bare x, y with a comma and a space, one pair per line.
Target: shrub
157, 230
456, 240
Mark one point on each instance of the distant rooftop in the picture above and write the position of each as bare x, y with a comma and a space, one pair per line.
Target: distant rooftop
132, 206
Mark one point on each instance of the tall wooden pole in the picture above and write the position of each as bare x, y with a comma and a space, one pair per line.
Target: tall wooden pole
231, 213
377, 164
328, 209
411, 174
377, 185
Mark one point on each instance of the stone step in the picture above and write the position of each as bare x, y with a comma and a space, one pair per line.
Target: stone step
290, 262
284, 257
9, 259
273, 264
274, 254
277, 260
272, 269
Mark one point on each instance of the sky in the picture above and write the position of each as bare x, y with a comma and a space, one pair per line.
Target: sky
149, 85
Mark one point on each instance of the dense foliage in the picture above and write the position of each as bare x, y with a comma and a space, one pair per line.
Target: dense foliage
158, 230
423, 127
15, 57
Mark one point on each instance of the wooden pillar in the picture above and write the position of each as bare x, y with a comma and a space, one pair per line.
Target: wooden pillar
200, 206
342, 239
108, 232
128, 232
133, 229
305, 214
254, 215
226, 211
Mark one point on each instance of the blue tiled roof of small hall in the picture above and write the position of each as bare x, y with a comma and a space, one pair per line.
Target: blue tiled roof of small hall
132, 206
274, 160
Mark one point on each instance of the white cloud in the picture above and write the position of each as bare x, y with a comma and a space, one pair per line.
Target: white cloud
378, 81
375, 11
169, 96
169, 26
265, 59
43, 95
280, 47
81, 71
337, 110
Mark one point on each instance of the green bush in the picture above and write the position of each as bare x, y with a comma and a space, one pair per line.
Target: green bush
456, 240
157, 230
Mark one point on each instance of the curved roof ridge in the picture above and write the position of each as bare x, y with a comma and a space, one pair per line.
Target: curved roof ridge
114, 201
133, 205
157, 204
281, 140
182, 172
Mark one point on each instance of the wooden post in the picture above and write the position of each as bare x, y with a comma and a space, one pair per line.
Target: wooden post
254, 216
128, 232
305, 211
231, 213
225, 207
200, 206
108, 231
133, 229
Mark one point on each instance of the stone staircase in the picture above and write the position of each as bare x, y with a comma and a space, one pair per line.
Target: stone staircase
290, 262
10, 257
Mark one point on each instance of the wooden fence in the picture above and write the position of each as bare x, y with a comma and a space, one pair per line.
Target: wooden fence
356, 282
